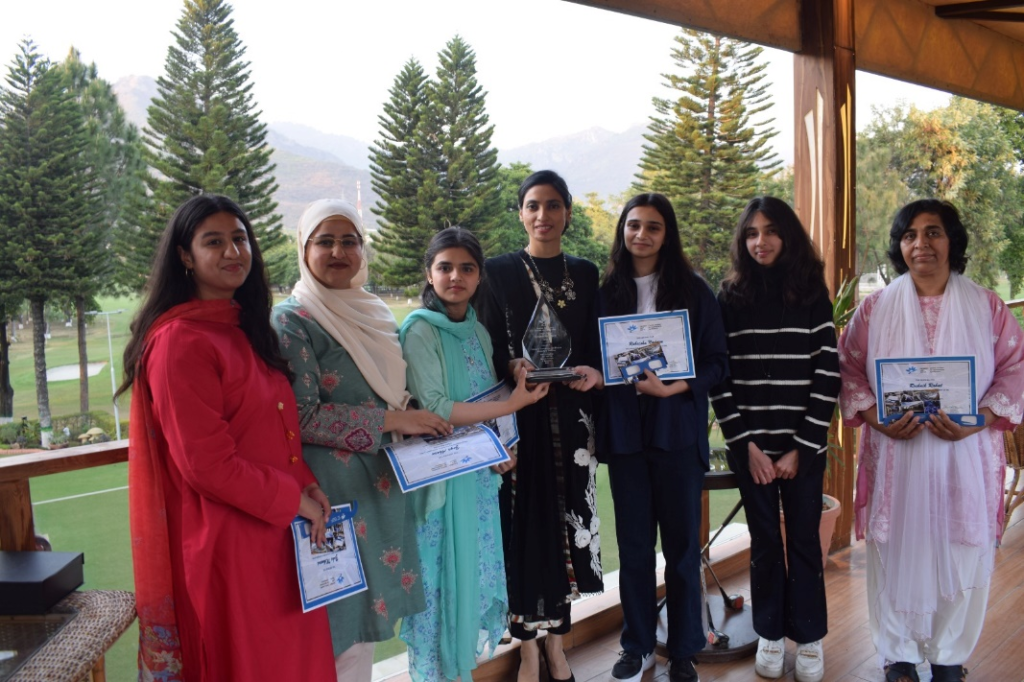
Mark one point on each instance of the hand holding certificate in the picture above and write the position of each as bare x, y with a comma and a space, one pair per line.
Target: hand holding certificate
333, 571
926, 385
424, 460
659, 342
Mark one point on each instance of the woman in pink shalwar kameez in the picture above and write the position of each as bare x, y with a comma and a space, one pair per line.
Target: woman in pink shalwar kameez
929, 494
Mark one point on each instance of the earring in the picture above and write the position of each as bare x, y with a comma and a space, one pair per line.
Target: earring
188, 271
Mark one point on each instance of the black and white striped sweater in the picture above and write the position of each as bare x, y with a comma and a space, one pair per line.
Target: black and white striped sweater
783, 376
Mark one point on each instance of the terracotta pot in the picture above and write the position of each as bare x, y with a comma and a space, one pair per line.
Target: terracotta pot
829, 515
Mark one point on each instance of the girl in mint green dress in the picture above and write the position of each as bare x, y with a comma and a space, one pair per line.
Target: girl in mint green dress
463, 572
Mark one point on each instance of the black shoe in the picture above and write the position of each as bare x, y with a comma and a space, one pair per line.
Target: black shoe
682, 670
631, 667
547, 664
948, 673
901, 671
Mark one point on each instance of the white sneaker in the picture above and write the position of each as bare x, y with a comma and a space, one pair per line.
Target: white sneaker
810, 662
771, 654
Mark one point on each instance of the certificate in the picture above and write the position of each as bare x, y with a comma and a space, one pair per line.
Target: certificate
926, 385
424, 460
505, 427
331, 572
659, 342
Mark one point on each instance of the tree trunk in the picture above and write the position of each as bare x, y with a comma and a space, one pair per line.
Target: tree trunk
37, 305
83, 356
6, 390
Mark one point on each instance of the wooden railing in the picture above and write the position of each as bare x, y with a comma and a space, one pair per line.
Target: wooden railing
17, 532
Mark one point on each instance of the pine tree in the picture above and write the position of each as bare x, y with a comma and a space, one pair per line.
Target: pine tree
113, 155
203, 134
704, 151
449, 161
396, 180
45, 190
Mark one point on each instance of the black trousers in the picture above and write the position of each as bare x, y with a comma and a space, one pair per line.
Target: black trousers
651, 490
787, 602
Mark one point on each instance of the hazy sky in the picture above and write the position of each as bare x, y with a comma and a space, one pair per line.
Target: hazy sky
549, 67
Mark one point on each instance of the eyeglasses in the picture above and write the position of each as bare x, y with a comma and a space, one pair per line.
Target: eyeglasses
326, 243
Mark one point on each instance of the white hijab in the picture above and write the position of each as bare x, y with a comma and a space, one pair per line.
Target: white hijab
358, 320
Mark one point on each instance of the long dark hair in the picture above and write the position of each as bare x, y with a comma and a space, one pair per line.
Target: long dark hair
168, 286
803, 273
675, 275
450, 238
955, 231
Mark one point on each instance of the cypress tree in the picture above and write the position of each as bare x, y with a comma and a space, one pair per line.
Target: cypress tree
203, 133
705, 153
45, 192
448, 159
397, 180
113, 154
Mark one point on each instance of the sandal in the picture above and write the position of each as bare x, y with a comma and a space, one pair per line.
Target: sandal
901, 672
948, 673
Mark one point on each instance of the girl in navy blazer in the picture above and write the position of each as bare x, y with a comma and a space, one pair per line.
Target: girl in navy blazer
653, 436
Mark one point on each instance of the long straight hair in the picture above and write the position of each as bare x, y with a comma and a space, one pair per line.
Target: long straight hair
169, 285
803, 273
675, 275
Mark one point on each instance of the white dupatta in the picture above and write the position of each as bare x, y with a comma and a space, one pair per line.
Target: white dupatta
928, 515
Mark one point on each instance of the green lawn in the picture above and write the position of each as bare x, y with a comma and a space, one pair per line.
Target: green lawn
97, 522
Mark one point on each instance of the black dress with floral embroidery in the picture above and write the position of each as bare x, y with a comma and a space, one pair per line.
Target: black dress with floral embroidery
548, 502
342, 422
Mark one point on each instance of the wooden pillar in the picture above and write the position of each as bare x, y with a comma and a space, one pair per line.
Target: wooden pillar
17, 532
825, 181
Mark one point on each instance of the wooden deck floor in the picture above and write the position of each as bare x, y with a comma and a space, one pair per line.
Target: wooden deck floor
849, 653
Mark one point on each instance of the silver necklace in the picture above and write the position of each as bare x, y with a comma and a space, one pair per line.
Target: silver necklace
565, 291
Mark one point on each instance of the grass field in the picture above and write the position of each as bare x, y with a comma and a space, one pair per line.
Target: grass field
87, 511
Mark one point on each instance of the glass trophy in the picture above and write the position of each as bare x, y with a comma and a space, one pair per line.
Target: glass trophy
546, 345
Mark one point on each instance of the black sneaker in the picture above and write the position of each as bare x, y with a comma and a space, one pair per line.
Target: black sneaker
631, 667
682, 670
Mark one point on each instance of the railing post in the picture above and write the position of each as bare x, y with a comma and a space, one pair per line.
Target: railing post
17, 532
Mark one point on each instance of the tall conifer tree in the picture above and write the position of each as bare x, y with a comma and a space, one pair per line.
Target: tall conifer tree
203, 133
450, 162
45, 190
396, 179
113, 155
705, 152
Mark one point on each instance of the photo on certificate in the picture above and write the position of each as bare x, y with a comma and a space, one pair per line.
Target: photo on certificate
659, 342
423, 460
506, 428
333, 571
926, 385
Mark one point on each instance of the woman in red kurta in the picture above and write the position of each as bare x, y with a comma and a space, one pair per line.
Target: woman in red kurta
215, 468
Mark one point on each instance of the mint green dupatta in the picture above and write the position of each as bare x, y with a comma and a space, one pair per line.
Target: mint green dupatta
458, 578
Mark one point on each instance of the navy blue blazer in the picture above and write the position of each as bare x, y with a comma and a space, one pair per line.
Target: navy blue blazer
630, 423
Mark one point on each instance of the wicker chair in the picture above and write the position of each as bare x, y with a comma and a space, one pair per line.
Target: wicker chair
1014, 492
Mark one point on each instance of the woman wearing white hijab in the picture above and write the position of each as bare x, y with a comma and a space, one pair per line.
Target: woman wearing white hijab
929, 494
342, 344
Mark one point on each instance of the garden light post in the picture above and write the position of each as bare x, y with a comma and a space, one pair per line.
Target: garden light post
113, 380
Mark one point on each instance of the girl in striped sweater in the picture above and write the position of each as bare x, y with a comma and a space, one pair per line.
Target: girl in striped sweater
774, 411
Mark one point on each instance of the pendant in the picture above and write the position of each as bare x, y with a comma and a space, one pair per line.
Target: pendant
561, 303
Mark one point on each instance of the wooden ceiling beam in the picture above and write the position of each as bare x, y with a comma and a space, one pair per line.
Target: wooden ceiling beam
963, 10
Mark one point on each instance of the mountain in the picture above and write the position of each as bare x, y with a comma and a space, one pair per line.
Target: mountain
595, 160
348, 150
134, 94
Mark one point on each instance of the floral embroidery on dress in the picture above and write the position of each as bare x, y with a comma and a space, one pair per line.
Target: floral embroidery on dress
380, 608
587, 536
359, 440
329, 380
360, 527
286, 341
342, 455
384, 484
304, 354
302, 312
307, 380
408, 579
282, 320
391, 558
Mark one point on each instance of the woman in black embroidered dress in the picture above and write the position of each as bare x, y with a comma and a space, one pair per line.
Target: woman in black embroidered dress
548, 502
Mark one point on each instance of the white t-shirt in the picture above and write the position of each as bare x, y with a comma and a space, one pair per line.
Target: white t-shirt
646, 293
